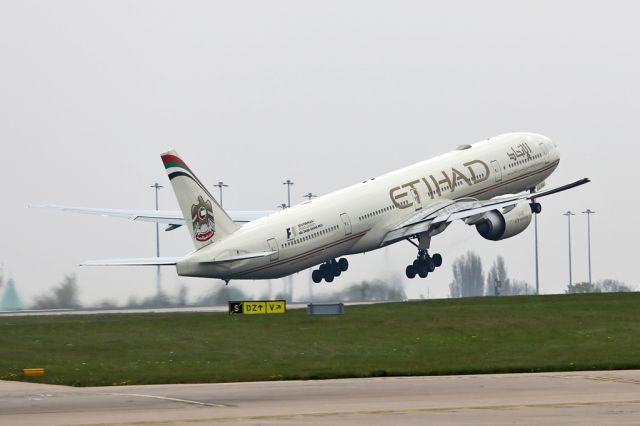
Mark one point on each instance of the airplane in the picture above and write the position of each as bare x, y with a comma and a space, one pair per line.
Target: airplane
493, 185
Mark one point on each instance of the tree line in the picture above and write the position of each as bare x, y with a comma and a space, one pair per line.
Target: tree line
469, 280
65, 295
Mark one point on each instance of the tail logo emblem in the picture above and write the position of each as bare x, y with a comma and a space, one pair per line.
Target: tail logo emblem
202, 217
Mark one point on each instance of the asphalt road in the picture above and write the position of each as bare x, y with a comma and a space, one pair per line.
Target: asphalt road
596, 397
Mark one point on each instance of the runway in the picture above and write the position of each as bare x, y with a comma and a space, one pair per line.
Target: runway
595, 397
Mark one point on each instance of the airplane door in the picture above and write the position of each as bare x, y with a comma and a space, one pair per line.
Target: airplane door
417, 203
497, 170
273, 246
347, 223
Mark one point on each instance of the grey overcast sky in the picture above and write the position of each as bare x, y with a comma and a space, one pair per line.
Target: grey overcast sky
325, 93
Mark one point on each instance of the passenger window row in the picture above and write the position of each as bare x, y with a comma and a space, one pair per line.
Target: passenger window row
310, 236
379, 211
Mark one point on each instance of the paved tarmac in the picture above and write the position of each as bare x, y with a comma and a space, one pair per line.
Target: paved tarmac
595, 397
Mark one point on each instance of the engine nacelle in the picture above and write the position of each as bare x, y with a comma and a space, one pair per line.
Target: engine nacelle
497, 226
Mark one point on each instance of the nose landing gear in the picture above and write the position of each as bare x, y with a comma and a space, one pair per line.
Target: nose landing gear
423, 264
329, 270
536, 208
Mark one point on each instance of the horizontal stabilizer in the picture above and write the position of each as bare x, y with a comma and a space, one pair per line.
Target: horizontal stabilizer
142, 261
243, 256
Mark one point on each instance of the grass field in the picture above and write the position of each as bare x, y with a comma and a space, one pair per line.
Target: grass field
454, 336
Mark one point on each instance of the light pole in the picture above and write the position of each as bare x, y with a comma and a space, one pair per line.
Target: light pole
568, 214
288, 183
220, 185
289, 284
157, 186
589, 212
309, 195
535, 227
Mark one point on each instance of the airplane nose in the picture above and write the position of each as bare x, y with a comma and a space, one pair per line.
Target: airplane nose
553, 148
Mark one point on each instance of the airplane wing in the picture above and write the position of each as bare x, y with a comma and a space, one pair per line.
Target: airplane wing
143, 261
172, 218
168, 217
160, 261
439, 215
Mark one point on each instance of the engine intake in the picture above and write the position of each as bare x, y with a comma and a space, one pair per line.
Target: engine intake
498, 226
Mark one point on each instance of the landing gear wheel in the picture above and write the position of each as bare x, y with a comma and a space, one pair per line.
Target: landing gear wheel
328, 277
411, 272
335, 268
344, 264
422, 269
316, 276
536, 208
430, 264
437, 260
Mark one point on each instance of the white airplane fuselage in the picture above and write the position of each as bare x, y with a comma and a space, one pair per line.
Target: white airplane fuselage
357, 218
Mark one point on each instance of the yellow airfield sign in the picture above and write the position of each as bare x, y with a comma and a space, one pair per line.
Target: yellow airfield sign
258, 307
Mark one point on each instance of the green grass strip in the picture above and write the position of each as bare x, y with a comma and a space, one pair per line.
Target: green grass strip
454, 336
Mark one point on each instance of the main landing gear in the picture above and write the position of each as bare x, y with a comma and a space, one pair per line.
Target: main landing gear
423, 264
329, 270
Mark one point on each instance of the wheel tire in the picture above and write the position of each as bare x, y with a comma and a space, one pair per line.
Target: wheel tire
344, 264
437, 260
417, 263
431, 265
323, 269
328, 278
422, 269
536, 208
316, 276
411, 272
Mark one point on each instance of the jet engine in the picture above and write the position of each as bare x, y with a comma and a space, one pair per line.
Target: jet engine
497, 225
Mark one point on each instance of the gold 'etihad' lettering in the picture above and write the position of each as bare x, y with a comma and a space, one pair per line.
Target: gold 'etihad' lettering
477, 171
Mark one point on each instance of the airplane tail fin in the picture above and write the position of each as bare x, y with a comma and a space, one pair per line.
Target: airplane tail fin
206, 221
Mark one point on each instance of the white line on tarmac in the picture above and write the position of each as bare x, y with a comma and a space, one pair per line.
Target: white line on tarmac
166, 398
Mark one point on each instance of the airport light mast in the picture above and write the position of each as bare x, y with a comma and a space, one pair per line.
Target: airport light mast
157, 186
288, 183
589, 212
535, 225
220, 185
289, 284
568, 214
309, 196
